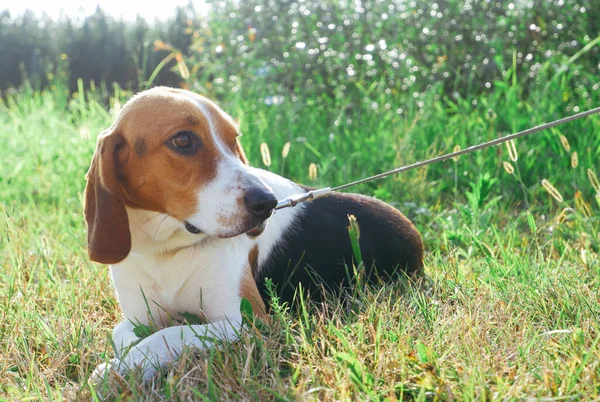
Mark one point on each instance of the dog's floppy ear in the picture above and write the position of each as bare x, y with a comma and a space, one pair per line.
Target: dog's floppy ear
239, 152
109, 239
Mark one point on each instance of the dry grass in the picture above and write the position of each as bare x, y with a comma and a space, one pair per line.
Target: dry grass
481, 327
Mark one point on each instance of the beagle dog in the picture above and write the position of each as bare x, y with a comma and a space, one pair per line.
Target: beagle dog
187, 227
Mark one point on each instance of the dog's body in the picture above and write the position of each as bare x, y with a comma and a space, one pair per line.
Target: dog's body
173, 206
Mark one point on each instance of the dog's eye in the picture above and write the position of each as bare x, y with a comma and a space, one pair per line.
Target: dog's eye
184, 142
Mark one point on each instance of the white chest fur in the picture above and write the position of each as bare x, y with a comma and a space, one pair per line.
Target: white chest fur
204, 278
170, 271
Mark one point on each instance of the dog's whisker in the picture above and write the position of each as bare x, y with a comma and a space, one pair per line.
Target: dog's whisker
152, 217
158, 227
141, 185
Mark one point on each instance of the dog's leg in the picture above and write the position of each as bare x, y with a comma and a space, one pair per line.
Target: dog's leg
123, 337
165, 345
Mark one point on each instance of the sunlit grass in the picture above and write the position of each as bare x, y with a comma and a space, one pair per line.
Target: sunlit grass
509, 307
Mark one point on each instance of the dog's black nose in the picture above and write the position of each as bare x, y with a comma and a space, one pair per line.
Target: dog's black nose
260, 202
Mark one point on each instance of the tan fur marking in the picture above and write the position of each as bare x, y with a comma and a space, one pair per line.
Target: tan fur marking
140, 147
253, 260
228, 132
109, 239
239, 152
151, 120
248, 287
162, 180
192, 119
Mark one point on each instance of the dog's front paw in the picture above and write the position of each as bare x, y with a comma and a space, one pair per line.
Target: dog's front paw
146, 361
104, 370
148, 356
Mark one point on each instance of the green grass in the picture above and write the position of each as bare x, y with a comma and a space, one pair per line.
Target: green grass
509, 307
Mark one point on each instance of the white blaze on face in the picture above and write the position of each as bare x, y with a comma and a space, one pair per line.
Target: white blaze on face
221, 211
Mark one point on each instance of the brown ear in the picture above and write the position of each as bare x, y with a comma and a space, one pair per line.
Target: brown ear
239, 152
109, 239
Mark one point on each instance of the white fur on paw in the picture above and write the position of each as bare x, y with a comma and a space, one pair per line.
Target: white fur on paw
146, 360
104, 370
149, 355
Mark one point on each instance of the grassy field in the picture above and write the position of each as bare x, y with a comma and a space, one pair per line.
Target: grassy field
509, 309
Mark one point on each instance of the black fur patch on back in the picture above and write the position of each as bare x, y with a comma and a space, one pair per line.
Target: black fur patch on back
318, 246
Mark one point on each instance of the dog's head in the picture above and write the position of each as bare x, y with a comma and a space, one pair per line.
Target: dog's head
173, 152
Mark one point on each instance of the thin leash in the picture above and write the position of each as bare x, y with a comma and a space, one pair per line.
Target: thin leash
322, 192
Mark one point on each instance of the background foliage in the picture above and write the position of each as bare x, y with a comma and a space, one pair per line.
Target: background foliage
398, 46
320, 47
98, 48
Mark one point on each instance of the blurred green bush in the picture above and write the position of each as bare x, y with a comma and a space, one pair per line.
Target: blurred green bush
318, 47
400, 46
98, 48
